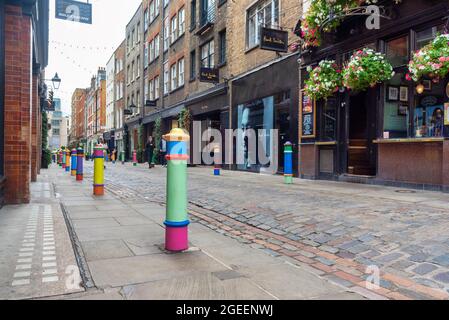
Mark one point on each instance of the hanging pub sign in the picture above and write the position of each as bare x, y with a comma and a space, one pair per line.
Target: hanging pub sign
150, 103
273, 40
209, 75
308, 116
74, 11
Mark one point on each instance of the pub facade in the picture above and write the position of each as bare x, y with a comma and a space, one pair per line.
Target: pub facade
394, 131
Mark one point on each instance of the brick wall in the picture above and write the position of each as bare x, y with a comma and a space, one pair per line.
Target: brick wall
34, 128
17, 105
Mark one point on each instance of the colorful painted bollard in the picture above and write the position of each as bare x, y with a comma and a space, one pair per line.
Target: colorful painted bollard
60, 158
288, 163
64, 158
134, 158
98, 170
122, 156
176, 222
67, 160
79, 165
73, 162
217, 161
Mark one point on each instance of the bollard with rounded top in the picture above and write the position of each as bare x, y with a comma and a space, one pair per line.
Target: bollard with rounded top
217, 161
122, 156
73, 162
98, 170
80, 164
176, 222
288, 162
67, 160
64, 158
134, 158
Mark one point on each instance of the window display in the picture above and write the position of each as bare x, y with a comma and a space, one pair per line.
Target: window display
396, 108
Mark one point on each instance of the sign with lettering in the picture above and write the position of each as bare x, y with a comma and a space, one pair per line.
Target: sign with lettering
209, 75
74, 11
308, 108
273, 40
150, 103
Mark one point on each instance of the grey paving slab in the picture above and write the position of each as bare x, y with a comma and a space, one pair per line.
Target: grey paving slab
122, 232
95, 223
140, 269
107, 249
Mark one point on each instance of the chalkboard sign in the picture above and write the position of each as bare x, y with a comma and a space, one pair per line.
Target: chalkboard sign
308, 120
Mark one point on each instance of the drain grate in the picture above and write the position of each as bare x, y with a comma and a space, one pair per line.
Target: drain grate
405, 191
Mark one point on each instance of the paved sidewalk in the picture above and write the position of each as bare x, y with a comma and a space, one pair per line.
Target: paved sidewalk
122, 244
36, 255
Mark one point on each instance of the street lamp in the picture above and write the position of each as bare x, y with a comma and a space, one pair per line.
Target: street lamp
56, 81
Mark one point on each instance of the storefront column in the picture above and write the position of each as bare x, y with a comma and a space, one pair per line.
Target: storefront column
445, 171
2, 88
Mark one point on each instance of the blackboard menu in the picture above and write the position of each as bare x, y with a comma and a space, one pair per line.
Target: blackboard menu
307, 116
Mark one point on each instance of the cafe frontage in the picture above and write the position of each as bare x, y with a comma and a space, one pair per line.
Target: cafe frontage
374, 103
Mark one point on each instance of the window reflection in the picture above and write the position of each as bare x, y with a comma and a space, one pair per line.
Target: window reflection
397, 51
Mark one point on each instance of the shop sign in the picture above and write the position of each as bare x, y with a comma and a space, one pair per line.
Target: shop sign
446, 114
308, 120
209, 75
274, 40
74, 11
150, 103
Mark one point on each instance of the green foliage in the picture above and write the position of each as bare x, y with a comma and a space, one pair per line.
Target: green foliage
324, 80
46, 153
157, 134
185, 119
432, 60
140, 149
365, 69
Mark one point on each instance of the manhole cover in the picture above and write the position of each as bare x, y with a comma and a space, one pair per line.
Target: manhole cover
405, 191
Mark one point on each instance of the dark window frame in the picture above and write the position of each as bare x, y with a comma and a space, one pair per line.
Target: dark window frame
192, 65
222, 46
192, 15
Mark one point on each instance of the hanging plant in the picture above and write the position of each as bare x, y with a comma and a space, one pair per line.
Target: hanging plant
316, 16
431, 61
365, 69
324, 80
184, 119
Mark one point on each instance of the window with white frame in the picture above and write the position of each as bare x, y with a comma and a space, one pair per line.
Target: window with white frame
166, 78
138, 32
166, 34
145, 54
151, 84
146, 20
174, 77
151, 50
145, 89
138, 66
156, 46
152, 10
181, 21
156, 88
181, 72
207, 55
263, 13
174, 28
133, 70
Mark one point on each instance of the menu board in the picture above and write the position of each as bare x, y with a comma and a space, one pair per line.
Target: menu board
308, 108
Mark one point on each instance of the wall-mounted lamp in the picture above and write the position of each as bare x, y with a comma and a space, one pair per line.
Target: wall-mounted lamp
420, 88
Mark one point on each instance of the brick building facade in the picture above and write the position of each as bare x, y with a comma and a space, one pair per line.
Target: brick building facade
23, 57
78, 127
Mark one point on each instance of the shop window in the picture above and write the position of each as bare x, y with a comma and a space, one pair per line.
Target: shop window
329, 119
396, 107
425, 36
397, 51
430, 108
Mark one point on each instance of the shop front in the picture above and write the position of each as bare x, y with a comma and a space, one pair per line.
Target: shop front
209, 110
394, 132
265, 112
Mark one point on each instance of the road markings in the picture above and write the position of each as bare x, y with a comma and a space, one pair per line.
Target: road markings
23, 267
22, 282
50, 279
49, 272
22, 274
49, 264
49, 258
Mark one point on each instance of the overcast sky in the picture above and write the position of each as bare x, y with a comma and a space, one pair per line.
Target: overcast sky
76, 50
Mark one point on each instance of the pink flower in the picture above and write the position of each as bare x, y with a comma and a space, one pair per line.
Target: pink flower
408, 77
442, 59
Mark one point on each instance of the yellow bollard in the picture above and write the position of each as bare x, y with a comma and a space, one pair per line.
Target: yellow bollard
98, 170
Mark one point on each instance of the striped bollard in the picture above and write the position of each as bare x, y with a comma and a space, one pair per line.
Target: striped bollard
98, 170
67, 160
217, 161
176, 223
134, 158
63, 159
79, 165
122, 156
73, 162
288, 162
60, 158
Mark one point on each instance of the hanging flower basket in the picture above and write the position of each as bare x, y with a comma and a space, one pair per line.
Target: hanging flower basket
366, 69
431, 61
316, 19
324, 80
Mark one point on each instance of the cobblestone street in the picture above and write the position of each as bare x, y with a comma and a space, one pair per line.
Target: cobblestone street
336, 230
